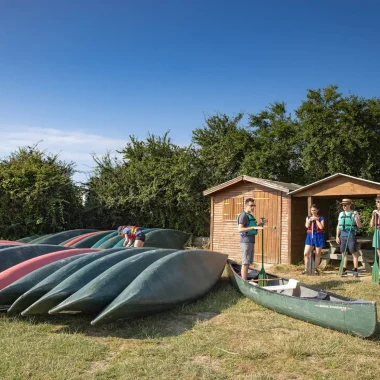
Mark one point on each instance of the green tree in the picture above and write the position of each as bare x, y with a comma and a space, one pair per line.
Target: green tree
223, 145
157, 185
275, 152
340, 134
37, 194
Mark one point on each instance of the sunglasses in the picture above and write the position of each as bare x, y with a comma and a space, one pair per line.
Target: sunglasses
252, 205
345, 205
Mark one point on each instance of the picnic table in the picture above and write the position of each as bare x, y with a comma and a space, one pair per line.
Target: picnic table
365, 253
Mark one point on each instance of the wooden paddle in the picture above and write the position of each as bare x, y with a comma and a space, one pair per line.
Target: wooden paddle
262, 274
375, 267
340, 271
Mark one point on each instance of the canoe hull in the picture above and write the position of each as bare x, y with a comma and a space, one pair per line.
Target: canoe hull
180, 277
357, 317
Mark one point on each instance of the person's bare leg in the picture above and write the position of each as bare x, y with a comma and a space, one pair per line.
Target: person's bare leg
138, 243
306, 254
355, 258
318, 253
244, 271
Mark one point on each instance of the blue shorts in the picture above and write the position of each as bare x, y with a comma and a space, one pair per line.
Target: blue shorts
318, 240
352, 245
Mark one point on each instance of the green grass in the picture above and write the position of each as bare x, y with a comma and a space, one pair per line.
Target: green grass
222, 336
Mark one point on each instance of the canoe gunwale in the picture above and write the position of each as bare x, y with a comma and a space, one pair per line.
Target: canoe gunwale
343, 315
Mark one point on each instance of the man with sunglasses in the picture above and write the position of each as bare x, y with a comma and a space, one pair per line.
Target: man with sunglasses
248, 228
348, 223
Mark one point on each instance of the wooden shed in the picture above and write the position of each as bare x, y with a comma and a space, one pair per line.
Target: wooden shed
324, 192
273, 202
285, 205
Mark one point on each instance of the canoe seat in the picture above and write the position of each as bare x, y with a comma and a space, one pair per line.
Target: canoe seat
292, 284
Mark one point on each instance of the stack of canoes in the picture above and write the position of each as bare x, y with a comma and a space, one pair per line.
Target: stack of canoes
111, 284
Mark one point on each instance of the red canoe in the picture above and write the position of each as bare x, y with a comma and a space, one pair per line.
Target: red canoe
81, 237
10, 242
12, 274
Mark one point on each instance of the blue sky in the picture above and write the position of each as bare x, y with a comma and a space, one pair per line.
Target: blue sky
84, 75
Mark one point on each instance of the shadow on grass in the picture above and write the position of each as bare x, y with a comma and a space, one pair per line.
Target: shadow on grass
165, 324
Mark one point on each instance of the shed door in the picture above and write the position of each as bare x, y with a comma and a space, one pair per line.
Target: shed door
268, 205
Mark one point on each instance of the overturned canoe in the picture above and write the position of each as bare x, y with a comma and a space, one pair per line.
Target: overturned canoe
77, 280
16, 255
52, 280
310, 304
9, 294
17, 271
105, 238
71, 241
167, 238
180, 277
103, 289
59, 237
88, 242
27, 239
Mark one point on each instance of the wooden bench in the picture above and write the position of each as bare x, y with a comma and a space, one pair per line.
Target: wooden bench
365, 255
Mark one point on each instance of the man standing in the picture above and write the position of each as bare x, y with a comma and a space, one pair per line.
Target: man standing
348, 223
248, 228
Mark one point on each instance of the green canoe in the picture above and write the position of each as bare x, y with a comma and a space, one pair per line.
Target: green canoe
103, 289
18, 254
39, 238
146, 231
28, 239
310, 304
180, 277
166, 238
59, 237
105, 238
79, 279
45, 285
89, 241
110, 243
9, 294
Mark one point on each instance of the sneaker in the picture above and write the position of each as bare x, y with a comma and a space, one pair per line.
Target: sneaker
303, 272
316, 272
344, 273
355, 273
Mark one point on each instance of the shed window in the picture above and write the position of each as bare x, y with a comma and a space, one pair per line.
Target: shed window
232, 207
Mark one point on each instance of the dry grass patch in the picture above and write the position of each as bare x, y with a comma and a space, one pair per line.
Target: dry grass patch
222, 336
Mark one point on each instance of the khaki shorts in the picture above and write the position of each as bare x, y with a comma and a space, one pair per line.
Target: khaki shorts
247, 253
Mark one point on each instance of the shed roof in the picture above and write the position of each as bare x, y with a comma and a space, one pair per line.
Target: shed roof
282, 186
354, 186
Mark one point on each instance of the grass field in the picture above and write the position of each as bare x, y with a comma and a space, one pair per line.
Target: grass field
222, 336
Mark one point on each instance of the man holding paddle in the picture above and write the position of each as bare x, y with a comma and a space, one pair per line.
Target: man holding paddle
248, 228
348, 223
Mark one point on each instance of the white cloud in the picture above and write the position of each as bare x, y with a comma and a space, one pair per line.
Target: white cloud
71, 145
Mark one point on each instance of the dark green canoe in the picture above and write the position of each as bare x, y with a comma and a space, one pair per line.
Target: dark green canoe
167, 238
79, 279
103, 289
45, 285
59, 237
18, 254
180, 277
89, 241
146, 232
9, 294
39, 238
105, 238
310, 304
5, 246
27, 239
110, 243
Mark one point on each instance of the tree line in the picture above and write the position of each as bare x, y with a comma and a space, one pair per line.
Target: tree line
159, 183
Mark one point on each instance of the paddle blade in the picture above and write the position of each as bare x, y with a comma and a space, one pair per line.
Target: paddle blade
375, 273
340, 271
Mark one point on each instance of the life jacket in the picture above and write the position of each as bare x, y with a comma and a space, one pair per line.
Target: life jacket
251, 223
316, 228
135, 231
347, 222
